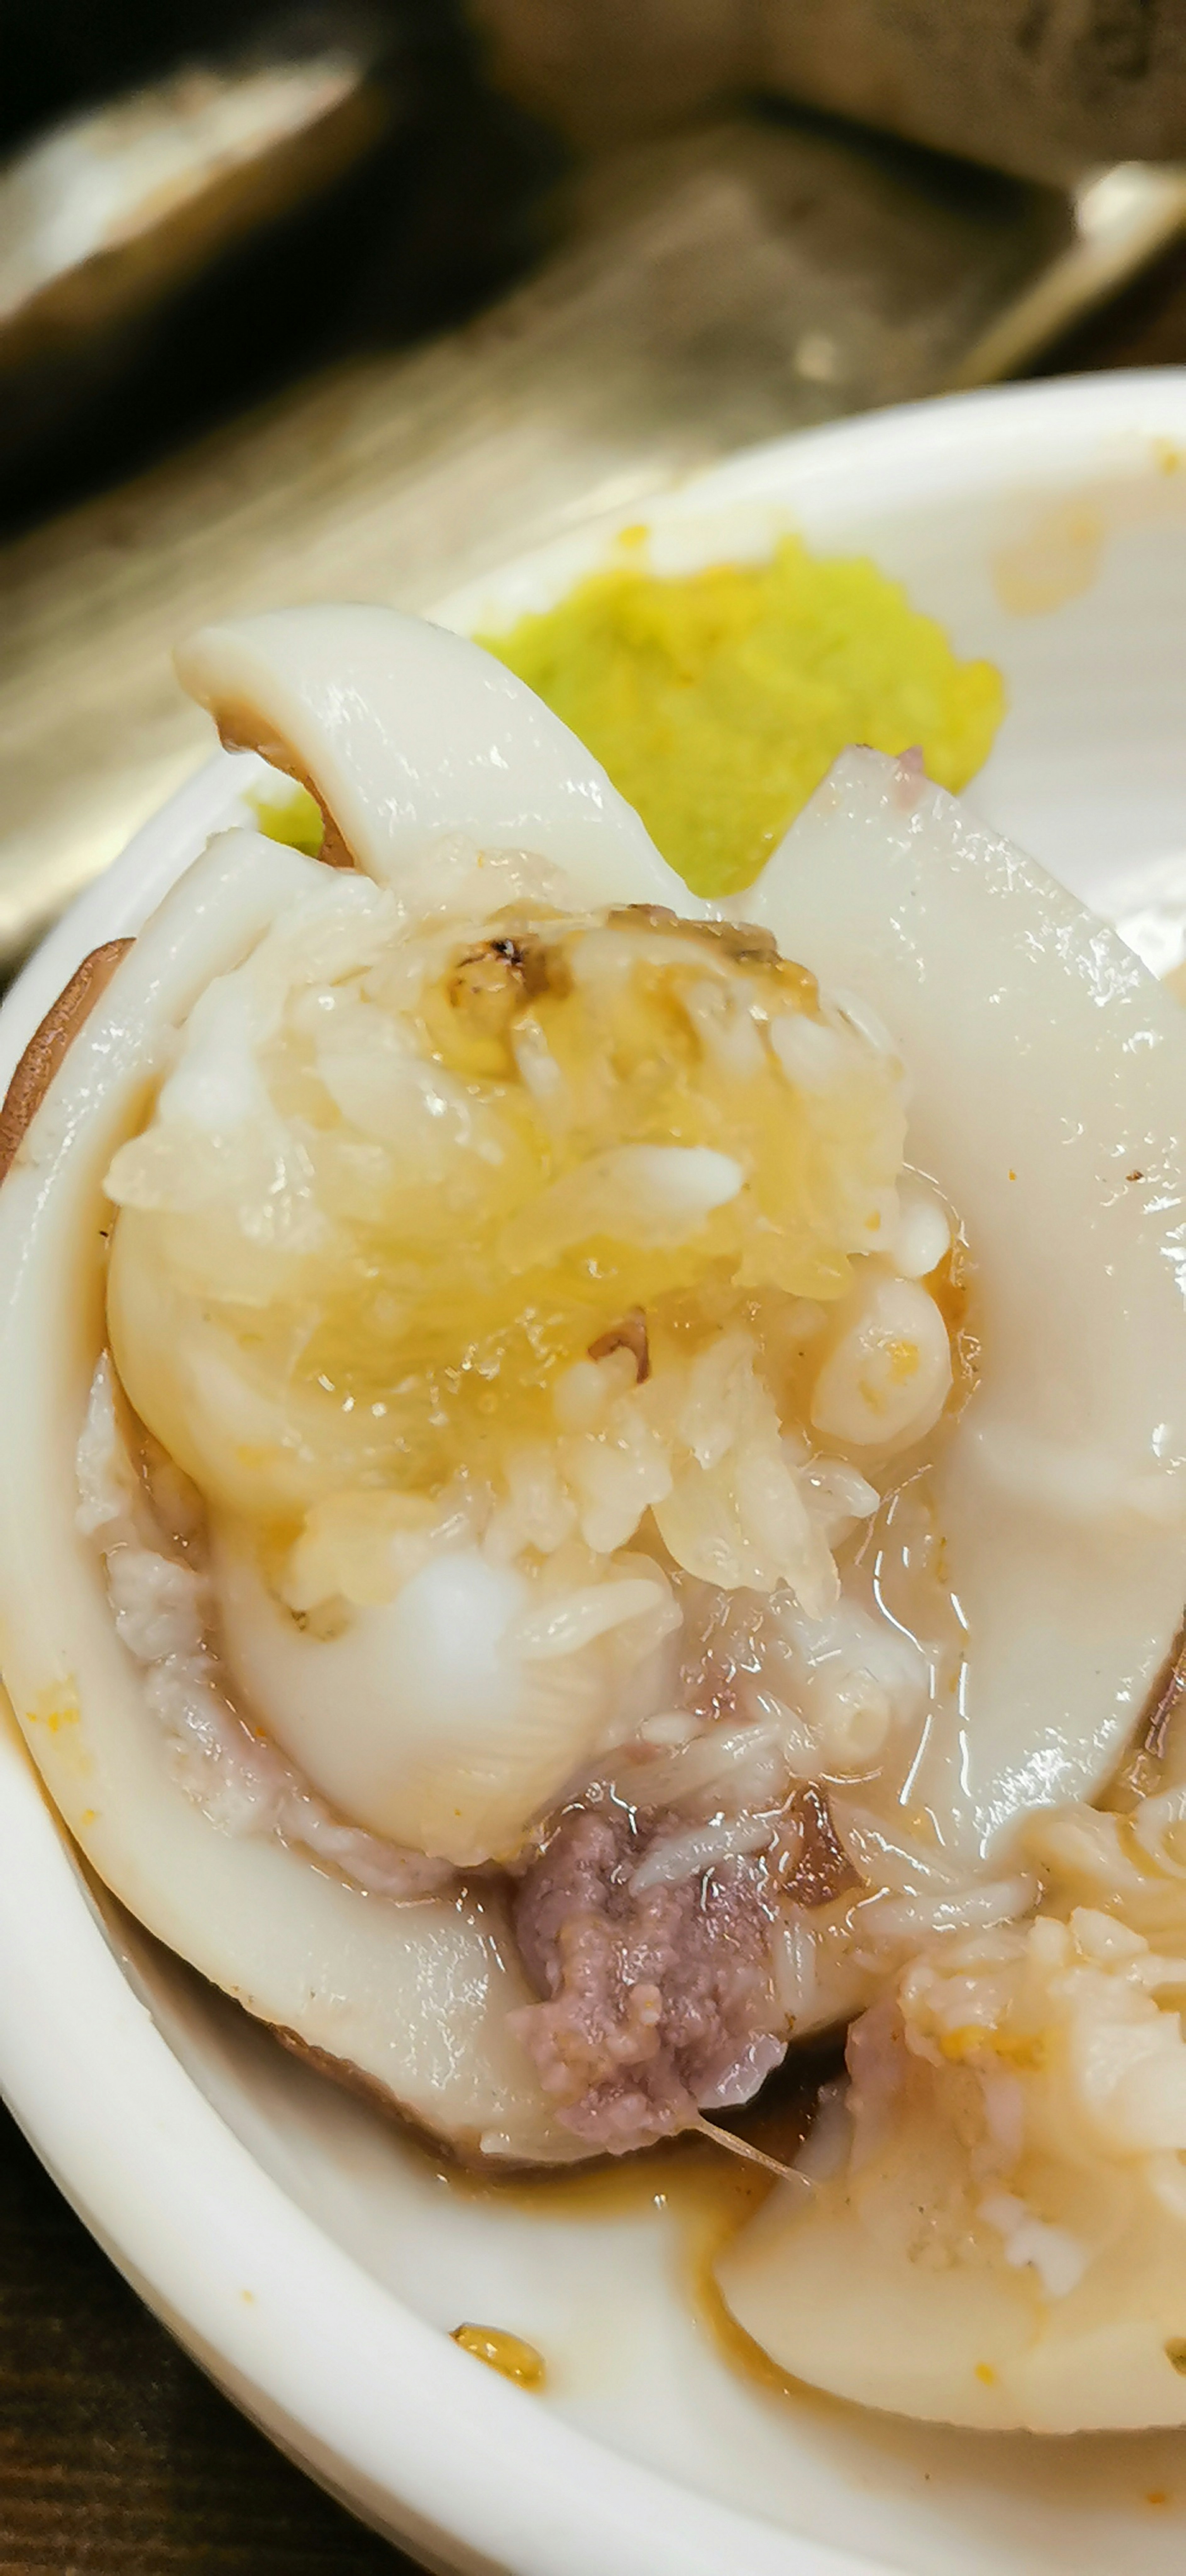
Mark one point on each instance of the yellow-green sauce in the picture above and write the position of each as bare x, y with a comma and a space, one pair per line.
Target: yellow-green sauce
718, 700
285, 812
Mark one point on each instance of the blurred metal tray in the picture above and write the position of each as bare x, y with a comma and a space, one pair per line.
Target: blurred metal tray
733, 283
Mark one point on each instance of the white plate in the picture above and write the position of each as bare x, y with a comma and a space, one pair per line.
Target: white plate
301, 2248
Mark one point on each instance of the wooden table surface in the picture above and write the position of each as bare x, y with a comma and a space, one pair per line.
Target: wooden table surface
117, 2458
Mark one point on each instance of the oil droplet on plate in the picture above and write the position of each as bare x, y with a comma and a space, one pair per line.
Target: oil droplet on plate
506, 2353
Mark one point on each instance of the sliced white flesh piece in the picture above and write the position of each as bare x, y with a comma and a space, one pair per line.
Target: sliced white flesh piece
408, 734
414, 1997
423, 1719
824, 2281
989, 2226
1048, 1076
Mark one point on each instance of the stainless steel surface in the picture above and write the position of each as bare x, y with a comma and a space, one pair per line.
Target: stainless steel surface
723, 287
1049, 88
113, 208
1046, 87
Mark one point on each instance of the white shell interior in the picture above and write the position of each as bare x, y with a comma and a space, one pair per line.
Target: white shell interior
1048, 528
1064, 1516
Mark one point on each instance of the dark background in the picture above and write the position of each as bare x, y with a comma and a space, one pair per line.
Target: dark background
446, 207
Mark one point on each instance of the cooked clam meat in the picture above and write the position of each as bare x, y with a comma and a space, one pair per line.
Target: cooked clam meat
594, 1490
485, 1282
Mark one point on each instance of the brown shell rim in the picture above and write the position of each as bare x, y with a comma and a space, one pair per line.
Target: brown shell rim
462, 2150
51, 1042
241, 729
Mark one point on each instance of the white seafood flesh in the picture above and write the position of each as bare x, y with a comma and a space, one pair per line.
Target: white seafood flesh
430, 1671
988, 2226
414, 1997
1049, 1101
408, 734
990, 2229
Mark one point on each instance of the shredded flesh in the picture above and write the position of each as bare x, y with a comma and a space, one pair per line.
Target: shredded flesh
536, 1303
162, 1614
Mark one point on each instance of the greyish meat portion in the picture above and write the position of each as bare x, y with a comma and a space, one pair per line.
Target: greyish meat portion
658, 2000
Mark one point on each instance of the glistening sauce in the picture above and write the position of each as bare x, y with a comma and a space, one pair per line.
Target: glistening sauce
708, 2191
